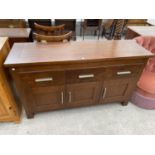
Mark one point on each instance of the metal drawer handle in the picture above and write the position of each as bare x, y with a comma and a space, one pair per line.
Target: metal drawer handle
86, 76
44, 79
124, 72
62, 98
104, 93
70, 97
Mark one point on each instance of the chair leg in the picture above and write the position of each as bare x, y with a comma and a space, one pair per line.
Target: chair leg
83, 33
99, 33
103, 32
95, 32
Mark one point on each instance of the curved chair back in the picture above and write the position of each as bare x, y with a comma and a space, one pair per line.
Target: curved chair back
49, 29
59, 38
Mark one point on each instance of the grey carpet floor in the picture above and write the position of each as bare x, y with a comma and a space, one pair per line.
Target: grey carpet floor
110, 119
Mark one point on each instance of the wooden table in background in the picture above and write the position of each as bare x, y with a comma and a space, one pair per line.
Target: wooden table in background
135, 31
66, 75
12, 23
16, 34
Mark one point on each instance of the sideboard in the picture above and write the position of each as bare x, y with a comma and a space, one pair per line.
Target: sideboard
50, 76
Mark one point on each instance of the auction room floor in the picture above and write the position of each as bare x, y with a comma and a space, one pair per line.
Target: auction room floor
103, 119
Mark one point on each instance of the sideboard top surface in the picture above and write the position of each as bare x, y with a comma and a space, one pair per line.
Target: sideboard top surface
79, 51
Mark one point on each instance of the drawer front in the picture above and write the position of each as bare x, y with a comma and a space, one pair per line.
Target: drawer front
124, 71
44, 78
84, 75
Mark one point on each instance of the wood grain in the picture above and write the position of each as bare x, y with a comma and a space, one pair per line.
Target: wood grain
82, 51
8, 107
60, 66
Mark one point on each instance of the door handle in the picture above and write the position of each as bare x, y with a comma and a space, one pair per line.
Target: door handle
86, 76
70, 97
123, 72
62, 98
104, 93
44, 79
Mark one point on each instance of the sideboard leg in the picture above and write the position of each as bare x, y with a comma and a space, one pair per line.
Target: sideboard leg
30, 115
125, 103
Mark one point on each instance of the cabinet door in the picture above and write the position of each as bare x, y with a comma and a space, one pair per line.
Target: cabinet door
117, 90
48, 98
81, 94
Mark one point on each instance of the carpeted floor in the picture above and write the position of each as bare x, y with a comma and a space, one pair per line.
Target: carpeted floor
108, 119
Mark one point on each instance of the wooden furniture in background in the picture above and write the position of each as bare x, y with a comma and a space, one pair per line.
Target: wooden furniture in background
16, 34
136, 22
91, 23
66, 75
135, 31
70, 25
46, 22
12, 23
47, 38
49, 30
119, 29
108, 28
9, 110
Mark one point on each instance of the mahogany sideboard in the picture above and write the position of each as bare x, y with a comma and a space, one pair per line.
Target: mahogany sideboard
53, 76
9, 109
135, 31
16, 34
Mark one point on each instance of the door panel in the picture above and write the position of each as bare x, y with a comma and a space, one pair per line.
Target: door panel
81, 94
117, 90
48, 98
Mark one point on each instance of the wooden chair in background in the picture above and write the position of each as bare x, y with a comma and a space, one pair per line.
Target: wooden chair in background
91, 23
108, 28
70, 25
49, 30
46, 22
47, 38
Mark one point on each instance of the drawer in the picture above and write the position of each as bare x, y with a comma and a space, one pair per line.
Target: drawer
84, 75
43, 78
124, 71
